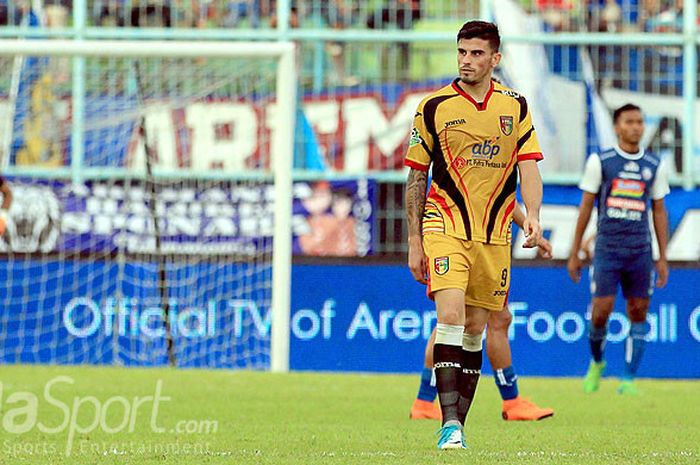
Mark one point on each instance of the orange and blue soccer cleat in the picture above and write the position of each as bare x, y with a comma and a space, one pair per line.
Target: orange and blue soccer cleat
424, 410
521, 408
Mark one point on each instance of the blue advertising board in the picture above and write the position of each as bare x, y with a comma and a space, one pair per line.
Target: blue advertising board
377, 318
370, 318
105, 313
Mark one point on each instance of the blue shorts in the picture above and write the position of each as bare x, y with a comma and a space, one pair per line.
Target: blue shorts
634, 273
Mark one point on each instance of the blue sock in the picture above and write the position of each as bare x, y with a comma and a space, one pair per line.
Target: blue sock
427, 391
596, 336
634, 348
507, 382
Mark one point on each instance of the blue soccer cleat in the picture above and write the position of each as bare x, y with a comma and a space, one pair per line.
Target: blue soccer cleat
627, 387
451, 437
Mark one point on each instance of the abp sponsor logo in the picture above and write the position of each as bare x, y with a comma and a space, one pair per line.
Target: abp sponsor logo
486, 150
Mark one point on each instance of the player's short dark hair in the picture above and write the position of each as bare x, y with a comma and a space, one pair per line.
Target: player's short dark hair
624, 108
481, 30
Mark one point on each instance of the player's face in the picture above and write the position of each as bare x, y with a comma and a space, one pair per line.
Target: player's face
630, 127
476, 60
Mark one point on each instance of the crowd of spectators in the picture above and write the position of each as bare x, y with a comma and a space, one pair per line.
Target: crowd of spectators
559, 15
224, 13
609, 15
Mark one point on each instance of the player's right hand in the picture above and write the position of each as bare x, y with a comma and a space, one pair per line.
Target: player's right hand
532, 230
661, 273
416, 260
574, 266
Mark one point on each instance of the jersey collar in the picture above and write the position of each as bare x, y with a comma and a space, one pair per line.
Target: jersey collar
629, 156
480, 106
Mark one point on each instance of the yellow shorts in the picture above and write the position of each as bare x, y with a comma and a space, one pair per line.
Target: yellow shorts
481, 270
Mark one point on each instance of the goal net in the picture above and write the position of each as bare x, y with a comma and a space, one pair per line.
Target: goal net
152, 201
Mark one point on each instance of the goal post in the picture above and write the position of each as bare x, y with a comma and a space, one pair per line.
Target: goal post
188, 82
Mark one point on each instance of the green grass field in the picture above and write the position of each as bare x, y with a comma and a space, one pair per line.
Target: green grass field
260, 418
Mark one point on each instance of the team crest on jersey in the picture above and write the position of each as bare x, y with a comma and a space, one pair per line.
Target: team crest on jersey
442, 265
646, 173
415, 138
507, 125
631, 166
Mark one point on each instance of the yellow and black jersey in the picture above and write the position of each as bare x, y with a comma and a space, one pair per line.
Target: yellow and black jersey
474, 149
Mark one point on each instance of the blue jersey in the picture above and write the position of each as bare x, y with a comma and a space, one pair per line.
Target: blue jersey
624, 186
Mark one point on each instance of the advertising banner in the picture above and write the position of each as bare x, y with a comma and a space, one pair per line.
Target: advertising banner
110, 313
343, 318
383, 327
212, 218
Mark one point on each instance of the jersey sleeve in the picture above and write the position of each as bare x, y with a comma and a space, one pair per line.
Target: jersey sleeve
420, 145
660, 188
592, 175
528, 145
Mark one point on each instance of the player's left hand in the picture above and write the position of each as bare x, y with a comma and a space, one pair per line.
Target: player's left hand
544, 248
532, 231
661, 273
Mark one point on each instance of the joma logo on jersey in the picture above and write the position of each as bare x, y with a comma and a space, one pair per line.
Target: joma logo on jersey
510, 93
454, 122
442, 265
486, 150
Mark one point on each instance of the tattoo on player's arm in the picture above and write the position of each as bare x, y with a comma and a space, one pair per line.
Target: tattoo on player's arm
415, 200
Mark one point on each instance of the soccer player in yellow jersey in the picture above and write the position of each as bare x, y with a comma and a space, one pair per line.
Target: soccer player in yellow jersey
475, 133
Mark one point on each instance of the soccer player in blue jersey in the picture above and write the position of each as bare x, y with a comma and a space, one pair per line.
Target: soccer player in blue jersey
625, 181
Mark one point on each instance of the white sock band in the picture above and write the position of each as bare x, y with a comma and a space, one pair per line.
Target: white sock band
450, 335
472, 343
